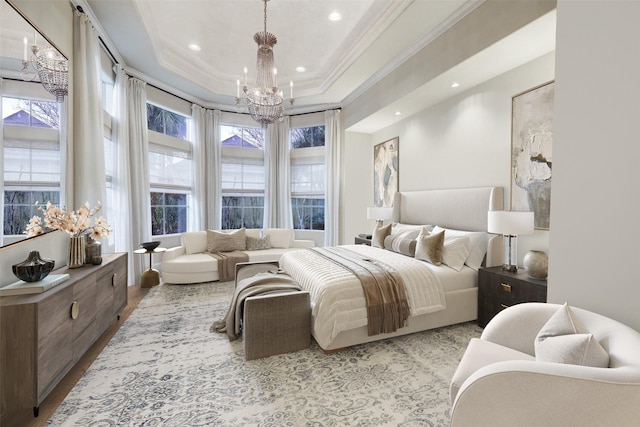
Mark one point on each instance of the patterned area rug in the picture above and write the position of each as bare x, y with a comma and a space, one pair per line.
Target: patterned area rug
164, 368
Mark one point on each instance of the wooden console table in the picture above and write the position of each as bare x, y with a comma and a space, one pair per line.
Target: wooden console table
42, 336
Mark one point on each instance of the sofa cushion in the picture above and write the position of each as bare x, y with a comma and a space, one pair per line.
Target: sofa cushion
280, 237
194, 242
253, 232
563, 339
218, 241
481, 353
272, 254
193, 263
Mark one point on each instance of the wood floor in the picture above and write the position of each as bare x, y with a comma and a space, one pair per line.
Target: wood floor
24, 417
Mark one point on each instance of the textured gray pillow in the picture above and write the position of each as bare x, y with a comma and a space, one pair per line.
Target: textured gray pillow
563, 339
258, 243
379, 235
429, 247
218, 241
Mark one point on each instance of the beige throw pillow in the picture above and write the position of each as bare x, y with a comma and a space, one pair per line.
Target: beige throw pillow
379, 234
563, 339
429, 247
218, 241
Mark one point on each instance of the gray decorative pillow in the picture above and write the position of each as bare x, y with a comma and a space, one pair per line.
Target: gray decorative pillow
379, 234
218, 241
258, 243
563, 339
429, 247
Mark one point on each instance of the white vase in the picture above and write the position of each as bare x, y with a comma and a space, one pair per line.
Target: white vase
536, 264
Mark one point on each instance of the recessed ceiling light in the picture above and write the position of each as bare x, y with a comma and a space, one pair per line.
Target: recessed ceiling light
398, 113
301, 69
194, 47
335, 16
455, 84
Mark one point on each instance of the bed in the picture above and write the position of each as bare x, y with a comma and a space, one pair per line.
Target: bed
339, 313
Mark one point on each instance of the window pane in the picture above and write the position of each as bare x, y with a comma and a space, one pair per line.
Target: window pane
155, 118
242, 137
33, 113
19, 207
307, 137
175, 125
168, 213
308, 213
242, 211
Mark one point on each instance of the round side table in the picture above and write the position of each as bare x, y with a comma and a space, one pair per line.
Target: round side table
150, 277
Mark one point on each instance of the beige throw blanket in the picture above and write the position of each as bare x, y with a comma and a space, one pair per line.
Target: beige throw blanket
386, 299
274, 281
227, 263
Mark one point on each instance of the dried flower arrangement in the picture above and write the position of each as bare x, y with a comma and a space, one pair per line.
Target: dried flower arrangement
74, 223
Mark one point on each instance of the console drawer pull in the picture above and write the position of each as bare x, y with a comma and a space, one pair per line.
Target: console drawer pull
114, 279
505, 287
75, 310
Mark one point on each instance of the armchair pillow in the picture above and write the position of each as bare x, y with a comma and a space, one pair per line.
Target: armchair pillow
563, 339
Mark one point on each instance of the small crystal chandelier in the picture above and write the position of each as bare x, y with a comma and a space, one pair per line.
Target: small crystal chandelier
52, 68
265, 100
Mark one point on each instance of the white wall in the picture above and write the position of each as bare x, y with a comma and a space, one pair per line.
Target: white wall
462, 142
595, 211
357, 186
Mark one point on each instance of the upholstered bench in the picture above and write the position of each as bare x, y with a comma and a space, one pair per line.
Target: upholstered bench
273, 323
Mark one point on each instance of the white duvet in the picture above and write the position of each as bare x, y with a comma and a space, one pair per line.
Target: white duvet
337, 299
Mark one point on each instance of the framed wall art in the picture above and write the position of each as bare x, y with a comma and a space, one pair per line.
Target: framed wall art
385, 172
531, 148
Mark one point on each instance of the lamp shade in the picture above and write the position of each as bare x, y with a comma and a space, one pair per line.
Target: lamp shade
379, 212
510, 222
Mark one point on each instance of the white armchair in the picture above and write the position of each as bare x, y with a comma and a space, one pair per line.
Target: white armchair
500, 383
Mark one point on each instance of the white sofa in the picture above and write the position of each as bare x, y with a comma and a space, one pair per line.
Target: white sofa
499, 382
190, 263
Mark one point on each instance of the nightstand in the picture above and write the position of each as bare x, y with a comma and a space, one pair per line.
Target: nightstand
499, 289
362, 241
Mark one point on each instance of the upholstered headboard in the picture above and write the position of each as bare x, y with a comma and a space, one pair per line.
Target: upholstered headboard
460, 209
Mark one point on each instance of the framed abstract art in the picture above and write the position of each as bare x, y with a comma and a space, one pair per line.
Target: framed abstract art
385, 172
531, 148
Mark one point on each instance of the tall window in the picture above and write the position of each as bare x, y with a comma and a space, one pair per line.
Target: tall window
170, 170
242, 177
308, 177
31, 156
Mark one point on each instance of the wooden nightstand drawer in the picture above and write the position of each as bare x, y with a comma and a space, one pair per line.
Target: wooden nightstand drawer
498, 289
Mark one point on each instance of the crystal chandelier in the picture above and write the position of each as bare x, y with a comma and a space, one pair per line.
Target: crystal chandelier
265, 100
52, 68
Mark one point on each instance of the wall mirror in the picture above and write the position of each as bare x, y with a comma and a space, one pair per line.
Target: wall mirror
21, 84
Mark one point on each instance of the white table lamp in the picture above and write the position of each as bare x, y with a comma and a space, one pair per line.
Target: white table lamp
510, 224
379, 213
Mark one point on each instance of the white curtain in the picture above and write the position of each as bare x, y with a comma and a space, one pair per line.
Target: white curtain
213, 153
139, 197
88, 170
121, 184
277, 192
198, 211
333, 160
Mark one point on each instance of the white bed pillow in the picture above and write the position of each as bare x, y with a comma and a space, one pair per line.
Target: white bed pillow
478, 244
563, 339
398, 228
455, 251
